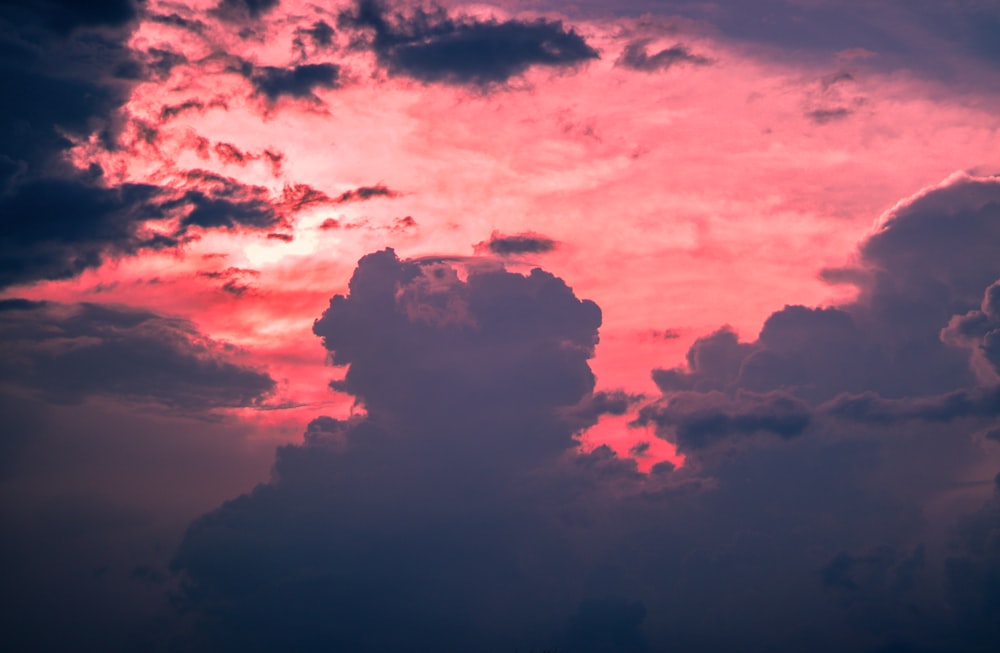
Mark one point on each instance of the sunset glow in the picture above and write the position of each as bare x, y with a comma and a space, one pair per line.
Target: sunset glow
634, 276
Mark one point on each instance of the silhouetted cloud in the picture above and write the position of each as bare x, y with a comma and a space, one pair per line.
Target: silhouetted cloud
64, 16
365, 193
636, 56
824, 116
432, 46
237, 10
517, 244
297, 81
698, 420
926, 265
979, 330
456, 496
67, 353
68, 81
461, 381
56, 228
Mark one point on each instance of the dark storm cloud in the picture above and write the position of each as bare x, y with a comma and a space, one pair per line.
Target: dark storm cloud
430, 509
517, 244
297, 81
636, 56
432, 46
56, 228
66, 353
64, 16
55, 84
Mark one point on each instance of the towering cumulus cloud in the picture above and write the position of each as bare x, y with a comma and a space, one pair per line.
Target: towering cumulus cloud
434, 511
829, 500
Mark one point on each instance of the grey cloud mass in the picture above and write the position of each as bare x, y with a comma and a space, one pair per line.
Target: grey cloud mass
67, 353
790, 524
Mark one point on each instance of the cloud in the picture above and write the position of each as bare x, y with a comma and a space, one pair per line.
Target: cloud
958, 404
67, 84
56, 228
636, 56
65, 16
236, 10
891, 372
926, 263
824, 116
391, 515
365, 193
431, 46
517, 244
698, 420
979, 331
973, 573
297, 81
457, 494
69, 352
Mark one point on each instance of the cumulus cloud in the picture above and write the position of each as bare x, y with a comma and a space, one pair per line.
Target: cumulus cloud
457, 508
925, 267
424, 511
432, 46
887, 371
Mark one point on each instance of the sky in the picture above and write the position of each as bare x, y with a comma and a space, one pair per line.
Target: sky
580, 326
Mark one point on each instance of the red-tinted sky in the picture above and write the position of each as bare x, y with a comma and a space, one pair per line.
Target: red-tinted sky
725, 179
754, 241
